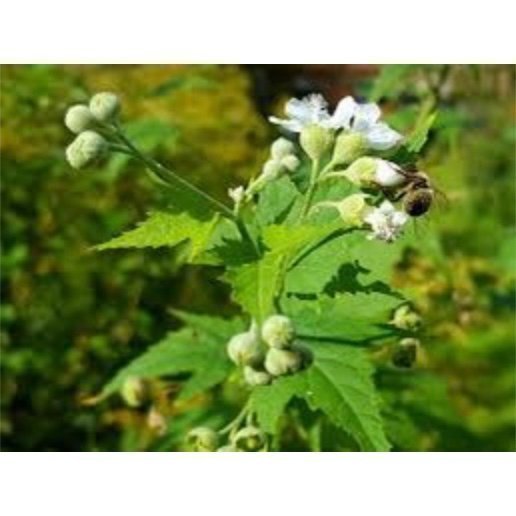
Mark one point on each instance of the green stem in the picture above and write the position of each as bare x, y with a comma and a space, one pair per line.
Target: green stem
167, 177
311, 190
236, 422
161, 171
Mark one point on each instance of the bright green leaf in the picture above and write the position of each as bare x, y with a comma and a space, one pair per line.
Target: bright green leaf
348, 317
199, 350
339, 383
166, 229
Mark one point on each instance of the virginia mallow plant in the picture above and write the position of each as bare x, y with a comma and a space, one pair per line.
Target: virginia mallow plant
307, 247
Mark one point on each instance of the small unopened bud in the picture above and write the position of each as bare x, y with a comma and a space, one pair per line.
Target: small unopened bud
281, 148
203, 439
387, 174
348, 148
237, 194
156, 421
228, 448
87, 147
105, 106
352, 209
133, 391
278, 331
405, 353
315, 140
254, 377
244, 348
250, 439
283, 361
362, 172
78, 118
406, 319
272, 170
290, 162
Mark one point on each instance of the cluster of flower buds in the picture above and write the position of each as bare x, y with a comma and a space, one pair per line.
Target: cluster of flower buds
88, 123
268, 353
250, 438
282, 160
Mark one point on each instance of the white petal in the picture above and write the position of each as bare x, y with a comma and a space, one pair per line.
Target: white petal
299, 110
381, 137
386, 208
399, 218
294, 126
386, 174
365, 116
341, 118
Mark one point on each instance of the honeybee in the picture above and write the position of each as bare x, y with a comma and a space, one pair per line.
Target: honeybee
416, 191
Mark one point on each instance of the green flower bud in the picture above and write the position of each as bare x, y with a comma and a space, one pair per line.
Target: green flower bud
255, 377
105, 106
315, 140
244, 348
133, 391
406, 319
290, 162
283, 361
352, 209
281, 148
348, 148
250, 439
362, 172
228, 448
278, 331
78, 118
405, 353
203, 439
87, 147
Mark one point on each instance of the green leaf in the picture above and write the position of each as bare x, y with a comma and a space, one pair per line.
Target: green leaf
369, 260
166, 229
389, 80
269, 402
419, 135
255, 285
350, 317
199, 350
339, 383
275, 201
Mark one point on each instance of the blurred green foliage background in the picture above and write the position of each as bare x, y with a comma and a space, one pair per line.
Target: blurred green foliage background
71, 317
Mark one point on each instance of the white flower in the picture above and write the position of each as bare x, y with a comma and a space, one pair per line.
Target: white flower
386, 222
364, 119
237, 194
301, 113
